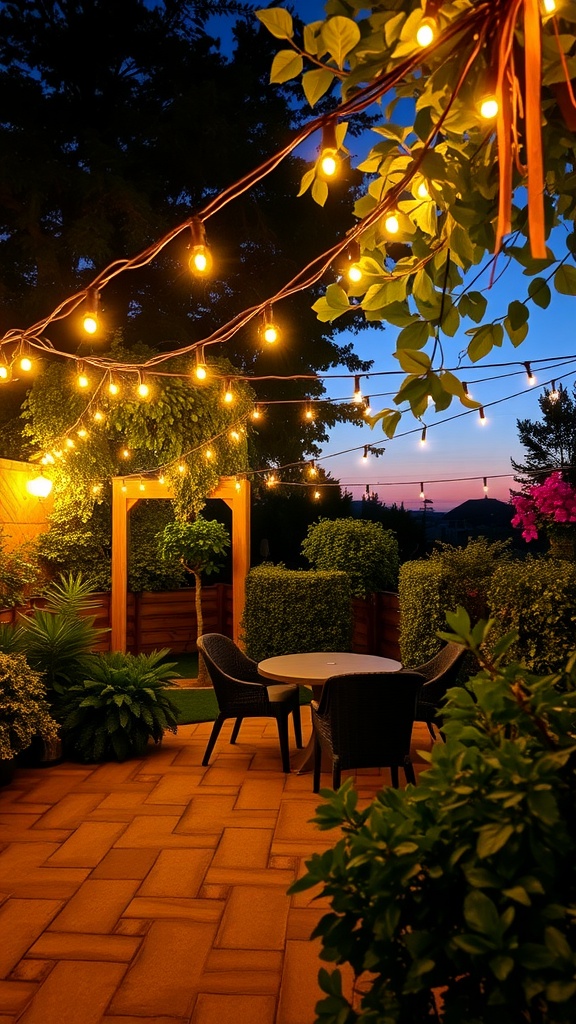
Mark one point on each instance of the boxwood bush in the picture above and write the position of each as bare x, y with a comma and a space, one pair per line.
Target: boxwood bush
291, 611
537, 599
363, 549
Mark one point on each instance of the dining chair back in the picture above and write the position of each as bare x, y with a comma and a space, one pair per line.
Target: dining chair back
242, 693
365, 721
440, 673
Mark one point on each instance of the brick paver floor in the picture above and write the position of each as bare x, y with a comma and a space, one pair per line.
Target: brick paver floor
154, 891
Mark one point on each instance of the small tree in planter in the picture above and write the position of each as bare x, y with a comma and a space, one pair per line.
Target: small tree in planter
455, 900
200, 545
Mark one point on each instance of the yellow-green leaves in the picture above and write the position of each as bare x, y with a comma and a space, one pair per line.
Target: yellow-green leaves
340, 35
316, 83
565, 279
483, 340
278, 22
332, 304
516, 323
286, 65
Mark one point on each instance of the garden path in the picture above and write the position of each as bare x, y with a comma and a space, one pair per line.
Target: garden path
154, 891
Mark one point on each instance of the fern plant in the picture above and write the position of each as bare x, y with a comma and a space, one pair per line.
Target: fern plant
121, 704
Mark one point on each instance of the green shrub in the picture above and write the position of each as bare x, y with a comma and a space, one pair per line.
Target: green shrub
430, 587
537, 598
24, 710
19, 572
291, 611
113, 712
463, 886
363, 549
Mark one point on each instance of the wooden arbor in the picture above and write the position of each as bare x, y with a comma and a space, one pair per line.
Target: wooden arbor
125, 493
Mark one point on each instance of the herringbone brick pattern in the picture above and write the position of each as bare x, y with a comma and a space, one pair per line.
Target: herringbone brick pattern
154, 892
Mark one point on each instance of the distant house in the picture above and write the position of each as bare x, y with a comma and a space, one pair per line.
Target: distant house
478, 517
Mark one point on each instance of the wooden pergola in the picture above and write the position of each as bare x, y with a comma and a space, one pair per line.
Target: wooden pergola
125, 493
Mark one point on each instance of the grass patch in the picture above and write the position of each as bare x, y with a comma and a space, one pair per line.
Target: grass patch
199, 705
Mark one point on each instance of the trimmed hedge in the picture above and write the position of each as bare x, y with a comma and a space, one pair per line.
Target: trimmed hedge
292, 611
537, 598
359, 547
424, 598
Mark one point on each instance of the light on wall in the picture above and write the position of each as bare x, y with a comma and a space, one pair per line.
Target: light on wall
39, 486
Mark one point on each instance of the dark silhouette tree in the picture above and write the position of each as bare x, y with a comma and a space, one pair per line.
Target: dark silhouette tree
550, 443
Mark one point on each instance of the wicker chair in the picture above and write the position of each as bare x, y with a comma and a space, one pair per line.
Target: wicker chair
440, 673
365, 721
242, 693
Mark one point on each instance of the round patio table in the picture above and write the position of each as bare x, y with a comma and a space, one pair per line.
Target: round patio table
313, 669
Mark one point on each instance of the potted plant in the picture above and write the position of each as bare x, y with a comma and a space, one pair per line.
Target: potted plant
24, 710
455, 900
119, 705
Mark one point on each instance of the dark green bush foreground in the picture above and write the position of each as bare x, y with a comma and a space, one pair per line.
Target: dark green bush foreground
289, 611
456, 900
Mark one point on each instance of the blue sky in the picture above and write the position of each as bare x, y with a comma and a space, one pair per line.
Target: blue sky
458, 448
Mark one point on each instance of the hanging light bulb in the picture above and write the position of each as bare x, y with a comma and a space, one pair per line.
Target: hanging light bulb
391, 224
4, 372
125, 453
200, 262
209, 454
200, 370
82, 380
142, 389
530, 376
426, 32
69, 443
485, 485
228, 393
365, 454
269, 331
237, 484
83, 433
309, 413
423, 437
99, 416
181, 468
554, 392
123, 487
161, 479
312, 471
422, 494
489, 107
354, 270
141, 486
317, 495
482, 415
234, 436
549, 6
256, 412
367, 410
25, 363
329, 152
357, 396
90, 317
113, 387
271, 480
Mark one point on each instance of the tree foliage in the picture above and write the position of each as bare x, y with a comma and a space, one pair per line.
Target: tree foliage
549, 443
437, 166
364, 550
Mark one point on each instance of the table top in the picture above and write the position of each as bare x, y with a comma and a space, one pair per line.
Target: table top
317, 667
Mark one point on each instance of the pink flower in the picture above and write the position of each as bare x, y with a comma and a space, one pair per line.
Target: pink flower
552, 501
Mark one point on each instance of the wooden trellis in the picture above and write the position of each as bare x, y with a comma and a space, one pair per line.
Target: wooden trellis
125, 494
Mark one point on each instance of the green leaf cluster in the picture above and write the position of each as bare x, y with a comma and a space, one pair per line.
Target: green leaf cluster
456, 899
200, 545
19, 572
289, 611
24, 708
439, 175
120, 703
363, 549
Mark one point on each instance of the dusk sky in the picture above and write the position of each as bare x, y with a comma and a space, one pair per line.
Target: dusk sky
455, 448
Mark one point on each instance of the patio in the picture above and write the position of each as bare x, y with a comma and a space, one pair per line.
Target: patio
154, 891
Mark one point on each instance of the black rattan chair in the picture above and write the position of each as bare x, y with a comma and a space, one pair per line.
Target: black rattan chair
365, 721
440, 673
242, 693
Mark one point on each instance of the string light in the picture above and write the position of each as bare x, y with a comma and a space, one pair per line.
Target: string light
317, 495
357, 396
39, 486
312, 471
554, 392
489, 107
113, 387
69, 443
392, 224
529, 374
142, 389
422, 494
208, 454
329, 151
200, 370
91, 307
228, 393
25, 362
256, 412
181, 468
99, 416
82, 379
309, 413
270, 331
423, 437
237, 484
482, 415
200, 262
96, 488
234, 435
271, 480
83, 433
123, 487
485, 484
354, 270
5, 372
161, 479
125, 453
426, 32
549, 6
367, 410
141, 486
365, 454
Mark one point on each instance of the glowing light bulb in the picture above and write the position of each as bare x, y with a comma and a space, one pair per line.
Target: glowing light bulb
256, 414
125, 453
482, 416
228, 394
96, 488
83, 381
83, 433
142, 486
357, 396
271, 333
4, 372
367, 410
209, 454
309, 413
143, 391
312, 471
489, 107
365, 454
99, 416
316, 495
113, 388
39, 486
485, 485
70, 443
391, 224
123, 488
90, 323
25, 364
549, 6
201, 371
181, 468
200, 261
426, 32
271, 480
423, 437
234, 435
354, 273
422, 495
